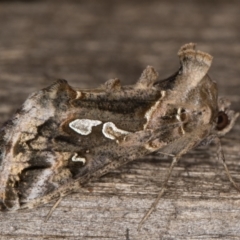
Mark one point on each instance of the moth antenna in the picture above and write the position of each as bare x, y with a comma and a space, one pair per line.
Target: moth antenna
220, 156
53, 208
164, 187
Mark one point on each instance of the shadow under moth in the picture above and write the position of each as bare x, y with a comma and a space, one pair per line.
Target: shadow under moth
62, 138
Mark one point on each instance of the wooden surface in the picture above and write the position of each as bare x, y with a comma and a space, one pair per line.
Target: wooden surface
88, 42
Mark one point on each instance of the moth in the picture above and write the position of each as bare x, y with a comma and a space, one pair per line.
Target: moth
61, 138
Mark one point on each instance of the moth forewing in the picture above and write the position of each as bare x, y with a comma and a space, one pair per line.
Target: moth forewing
61, 137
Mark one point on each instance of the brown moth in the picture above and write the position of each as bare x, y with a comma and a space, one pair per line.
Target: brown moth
62, 138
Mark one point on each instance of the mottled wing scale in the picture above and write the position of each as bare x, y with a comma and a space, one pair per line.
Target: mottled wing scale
61, 134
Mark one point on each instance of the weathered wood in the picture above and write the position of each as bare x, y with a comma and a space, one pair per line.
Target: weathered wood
90, 42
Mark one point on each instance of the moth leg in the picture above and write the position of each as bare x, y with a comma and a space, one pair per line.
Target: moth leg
175, 160
53, 208
164, 187
65, 190
220, 156
166, 154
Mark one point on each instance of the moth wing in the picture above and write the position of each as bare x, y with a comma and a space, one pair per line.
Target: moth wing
61, 135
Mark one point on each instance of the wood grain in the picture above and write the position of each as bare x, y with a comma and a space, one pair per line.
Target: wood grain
88, 42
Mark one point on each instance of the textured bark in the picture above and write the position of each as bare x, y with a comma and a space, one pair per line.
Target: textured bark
88, 42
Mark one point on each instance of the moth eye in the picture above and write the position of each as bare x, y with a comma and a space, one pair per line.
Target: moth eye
222, 120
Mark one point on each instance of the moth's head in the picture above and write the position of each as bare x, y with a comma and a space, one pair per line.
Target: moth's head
225, 117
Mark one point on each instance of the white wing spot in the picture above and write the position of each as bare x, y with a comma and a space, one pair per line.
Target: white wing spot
84, 126
75, 158
79, 94
110, 131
